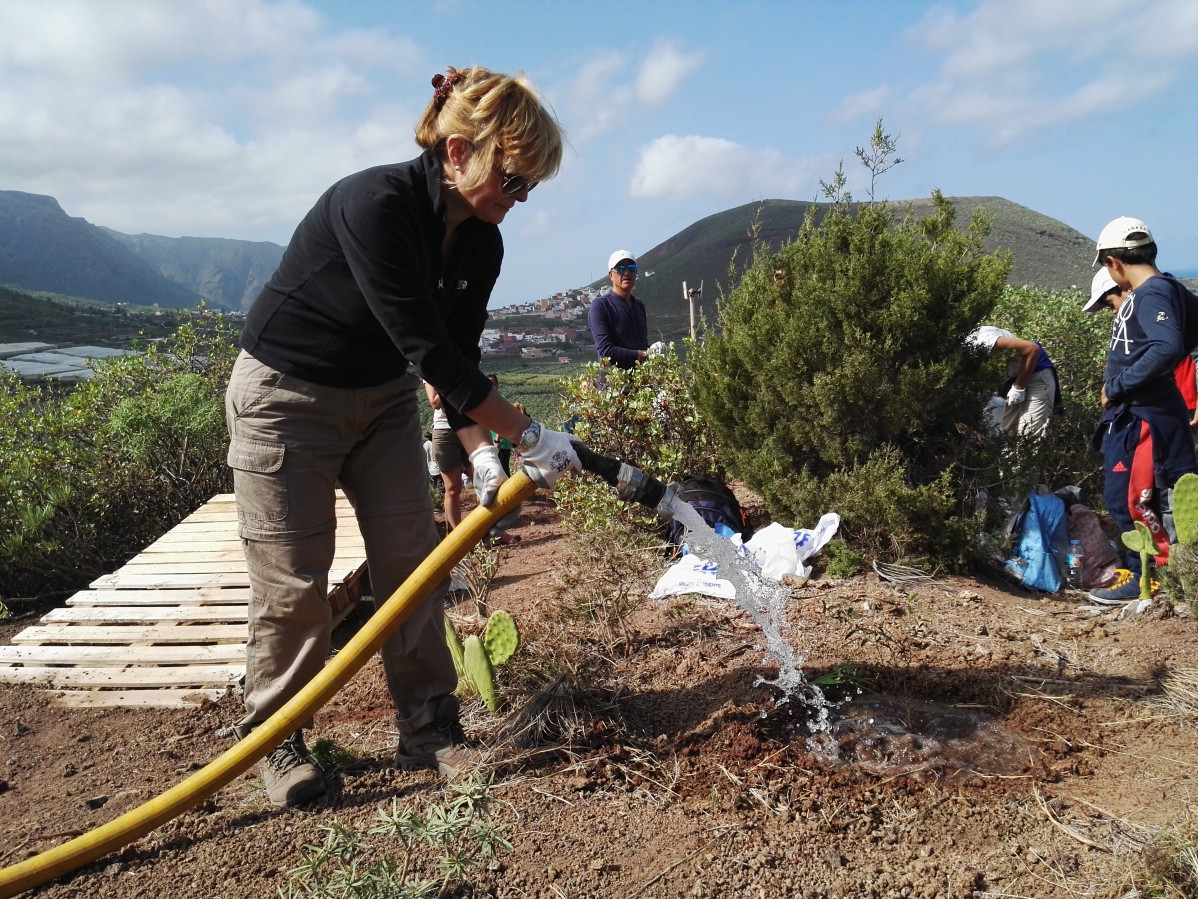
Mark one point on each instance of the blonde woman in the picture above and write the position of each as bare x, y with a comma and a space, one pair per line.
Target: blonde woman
392, 267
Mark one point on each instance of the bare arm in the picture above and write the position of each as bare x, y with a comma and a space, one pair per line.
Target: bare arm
1029, 353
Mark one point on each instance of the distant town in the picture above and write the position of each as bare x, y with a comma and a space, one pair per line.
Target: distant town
521, 339
524, 330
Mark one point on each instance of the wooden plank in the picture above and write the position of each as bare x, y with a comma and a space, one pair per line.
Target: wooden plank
68, 633
121, 678
147, 581
164, 563
185, 554
182, 654
156, 699
146, 614
199, 597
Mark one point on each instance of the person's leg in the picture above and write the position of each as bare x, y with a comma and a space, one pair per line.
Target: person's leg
448, 452
452, 503
285, 447
1035, 412
1118, 455
382, 478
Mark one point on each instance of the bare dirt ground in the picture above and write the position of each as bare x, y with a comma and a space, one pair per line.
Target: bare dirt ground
1012, 745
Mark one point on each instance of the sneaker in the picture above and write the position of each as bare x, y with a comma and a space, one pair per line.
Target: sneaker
440, 745
1125, 588
290, 775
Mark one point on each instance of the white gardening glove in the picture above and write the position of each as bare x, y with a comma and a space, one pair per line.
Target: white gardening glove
488, 473
546, 454
1016, 395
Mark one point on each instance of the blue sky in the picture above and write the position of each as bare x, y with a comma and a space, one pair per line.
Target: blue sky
228, 118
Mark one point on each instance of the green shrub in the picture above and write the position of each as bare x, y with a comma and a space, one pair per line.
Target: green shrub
644, 416
839, 378
840, 559
91, 475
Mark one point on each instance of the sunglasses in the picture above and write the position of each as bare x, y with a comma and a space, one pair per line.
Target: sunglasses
625, 269
510, 185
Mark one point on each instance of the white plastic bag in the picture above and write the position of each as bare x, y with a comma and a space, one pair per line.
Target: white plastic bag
779, 550
690, 574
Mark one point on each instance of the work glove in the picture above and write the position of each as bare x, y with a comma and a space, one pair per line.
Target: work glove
488, 473
1016, 395
546, 454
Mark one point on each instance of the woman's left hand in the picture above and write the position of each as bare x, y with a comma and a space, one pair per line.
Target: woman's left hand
488, 473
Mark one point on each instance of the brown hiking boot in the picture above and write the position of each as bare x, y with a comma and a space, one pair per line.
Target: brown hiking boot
440, 745
290, 775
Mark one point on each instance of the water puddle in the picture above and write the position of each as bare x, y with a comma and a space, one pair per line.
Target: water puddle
892, 736
883, 735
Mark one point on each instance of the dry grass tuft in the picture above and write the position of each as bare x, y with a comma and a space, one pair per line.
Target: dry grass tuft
1180, 688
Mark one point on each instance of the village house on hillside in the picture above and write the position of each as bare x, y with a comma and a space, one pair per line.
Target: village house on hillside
527, 341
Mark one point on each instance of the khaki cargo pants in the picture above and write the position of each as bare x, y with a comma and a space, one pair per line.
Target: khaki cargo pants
291, 444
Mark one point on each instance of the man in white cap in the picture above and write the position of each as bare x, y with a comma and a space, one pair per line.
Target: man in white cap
1106, 294
1144, 430
619, 325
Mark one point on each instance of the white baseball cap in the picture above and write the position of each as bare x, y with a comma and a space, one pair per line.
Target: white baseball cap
619, 256
1099, 287
1122, 234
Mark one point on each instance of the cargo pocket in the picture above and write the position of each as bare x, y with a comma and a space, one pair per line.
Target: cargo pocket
258, 480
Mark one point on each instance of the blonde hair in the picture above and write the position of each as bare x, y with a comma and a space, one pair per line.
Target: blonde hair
501, 116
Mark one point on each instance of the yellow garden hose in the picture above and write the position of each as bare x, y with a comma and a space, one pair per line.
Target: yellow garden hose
240, 757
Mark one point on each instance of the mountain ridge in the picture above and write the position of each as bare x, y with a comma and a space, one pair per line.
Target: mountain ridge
1046, 252
44, 249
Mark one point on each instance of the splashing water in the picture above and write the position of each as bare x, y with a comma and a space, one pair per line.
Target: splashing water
765, 601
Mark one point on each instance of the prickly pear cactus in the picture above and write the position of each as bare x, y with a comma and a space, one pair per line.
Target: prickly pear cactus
1185, 508
455, 647
1140, 541
501, 637
479, 670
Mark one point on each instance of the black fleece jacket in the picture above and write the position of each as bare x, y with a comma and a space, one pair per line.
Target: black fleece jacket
362, 290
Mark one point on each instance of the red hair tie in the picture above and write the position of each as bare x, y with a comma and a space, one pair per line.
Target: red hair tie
442, 85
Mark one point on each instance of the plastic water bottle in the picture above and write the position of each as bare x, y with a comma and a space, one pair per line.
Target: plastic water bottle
1074, 560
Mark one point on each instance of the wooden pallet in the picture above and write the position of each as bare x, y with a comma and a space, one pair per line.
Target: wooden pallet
169, 628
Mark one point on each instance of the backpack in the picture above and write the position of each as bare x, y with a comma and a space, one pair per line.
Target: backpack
1040, 541
714, 502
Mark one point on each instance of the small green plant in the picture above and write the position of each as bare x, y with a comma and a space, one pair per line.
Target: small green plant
407, 854
1140, 541
1179, 579
475, 658
848, 674
842, 560
478, 569
1168, 867
329, 755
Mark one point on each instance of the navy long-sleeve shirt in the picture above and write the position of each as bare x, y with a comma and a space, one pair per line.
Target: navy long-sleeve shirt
618, 328
1148, 339
362, 290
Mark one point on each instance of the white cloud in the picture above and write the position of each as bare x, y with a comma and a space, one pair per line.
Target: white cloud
220, 117
595, 101
1013, 68
871, 102
662, 71
675, 168
602, 95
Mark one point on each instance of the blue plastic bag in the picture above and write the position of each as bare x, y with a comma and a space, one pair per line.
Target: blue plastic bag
1037, 555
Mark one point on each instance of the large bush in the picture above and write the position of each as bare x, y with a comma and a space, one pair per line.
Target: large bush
839, 378
90, 475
